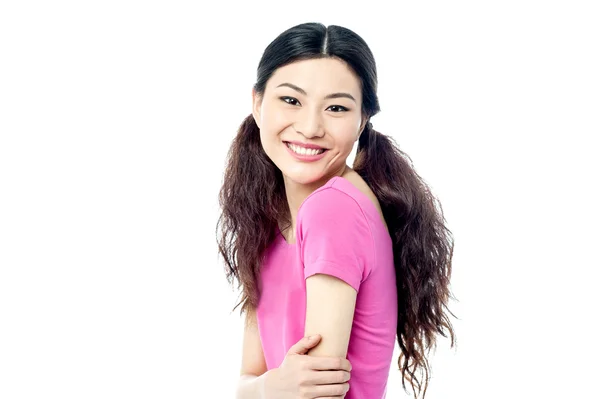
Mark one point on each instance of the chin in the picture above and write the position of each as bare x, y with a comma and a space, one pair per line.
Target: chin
302, 177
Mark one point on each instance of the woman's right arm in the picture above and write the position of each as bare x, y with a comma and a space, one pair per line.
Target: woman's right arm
251, 387
254, 367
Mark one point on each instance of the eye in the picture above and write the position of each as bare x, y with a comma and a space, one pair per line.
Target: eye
288, 98
343, 109
293, 101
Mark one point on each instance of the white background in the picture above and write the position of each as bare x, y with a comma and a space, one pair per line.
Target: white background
115, 119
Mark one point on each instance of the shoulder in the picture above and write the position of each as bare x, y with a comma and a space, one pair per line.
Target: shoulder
331, 201
333, 214
334, 234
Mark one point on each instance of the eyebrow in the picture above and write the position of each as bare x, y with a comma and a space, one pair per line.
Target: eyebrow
332, 95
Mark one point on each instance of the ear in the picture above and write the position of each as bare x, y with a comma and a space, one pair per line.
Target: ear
256, 103
362, 126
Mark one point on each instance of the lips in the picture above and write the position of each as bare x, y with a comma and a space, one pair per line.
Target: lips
306, 157
306, 145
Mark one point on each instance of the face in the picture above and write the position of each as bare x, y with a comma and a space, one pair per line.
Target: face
297, 106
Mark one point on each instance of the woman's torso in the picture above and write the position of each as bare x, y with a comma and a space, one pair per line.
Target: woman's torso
282, 307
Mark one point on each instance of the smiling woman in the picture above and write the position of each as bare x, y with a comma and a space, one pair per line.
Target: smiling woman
360, 256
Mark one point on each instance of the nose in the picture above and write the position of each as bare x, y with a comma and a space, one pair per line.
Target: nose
309, 124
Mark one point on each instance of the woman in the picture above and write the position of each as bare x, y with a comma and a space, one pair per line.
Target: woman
358, 256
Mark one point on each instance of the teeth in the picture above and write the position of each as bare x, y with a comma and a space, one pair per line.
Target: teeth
304, 151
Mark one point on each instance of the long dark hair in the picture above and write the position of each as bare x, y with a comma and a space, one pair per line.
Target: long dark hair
253, 202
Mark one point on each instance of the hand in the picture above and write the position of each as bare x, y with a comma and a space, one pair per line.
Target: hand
308, 377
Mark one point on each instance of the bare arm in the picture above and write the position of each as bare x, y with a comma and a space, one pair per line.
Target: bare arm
251, 387
329, 312
254, 367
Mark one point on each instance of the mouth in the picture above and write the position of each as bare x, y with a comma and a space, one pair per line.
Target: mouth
304, 151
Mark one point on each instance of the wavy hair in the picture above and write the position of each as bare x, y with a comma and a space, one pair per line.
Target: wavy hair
253, 203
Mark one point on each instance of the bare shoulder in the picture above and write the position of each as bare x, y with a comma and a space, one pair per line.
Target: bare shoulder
364, 188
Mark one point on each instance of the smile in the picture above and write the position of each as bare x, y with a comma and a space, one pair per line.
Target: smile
304, 151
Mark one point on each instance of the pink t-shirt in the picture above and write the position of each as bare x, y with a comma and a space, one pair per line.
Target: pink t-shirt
338, 232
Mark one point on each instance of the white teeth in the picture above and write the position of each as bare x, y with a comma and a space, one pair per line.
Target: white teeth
304, 151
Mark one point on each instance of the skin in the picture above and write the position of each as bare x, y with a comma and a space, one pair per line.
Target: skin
334, 124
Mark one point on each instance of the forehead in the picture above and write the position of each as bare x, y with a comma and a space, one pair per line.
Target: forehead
318, 76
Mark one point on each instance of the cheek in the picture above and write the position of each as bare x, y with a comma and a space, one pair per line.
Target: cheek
274, 120
345, 136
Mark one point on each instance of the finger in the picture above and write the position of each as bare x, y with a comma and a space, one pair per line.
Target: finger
329, 363
302, 346
328, 377
331, 390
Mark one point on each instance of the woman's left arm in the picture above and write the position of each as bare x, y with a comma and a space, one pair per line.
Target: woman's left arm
337, 253
330, 304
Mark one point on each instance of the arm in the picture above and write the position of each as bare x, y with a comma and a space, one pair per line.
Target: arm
254, 367
251, 387
330, 304
337, 251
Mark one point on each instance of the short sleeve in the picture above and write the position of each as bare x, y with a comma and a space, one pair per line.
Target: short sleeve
334, 237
